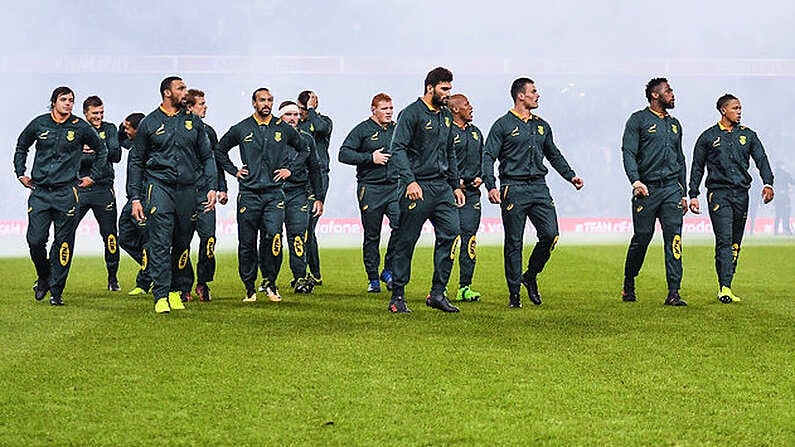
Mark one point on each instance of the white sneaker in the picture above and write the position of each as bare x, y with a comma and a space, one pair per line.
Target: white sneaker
250, 298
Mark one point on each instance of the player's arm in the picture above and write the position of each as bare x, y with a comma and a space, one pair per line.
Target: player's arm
24, 142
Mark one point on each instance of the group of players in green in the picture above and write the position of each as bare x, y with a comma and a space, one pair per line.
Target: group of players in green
428, 165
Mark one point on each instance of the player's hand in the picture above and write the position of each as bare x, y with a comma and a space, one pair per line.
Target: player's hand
242, 172
281, 174
209, 205
222, 197
380, 158
767, 194
494, 196
414, 191
26, 181
477, 182
578, 183
317, 208
85, 182
695, 207
87, 149
460, 198
684, 205
138, 211
639, 189
312, 101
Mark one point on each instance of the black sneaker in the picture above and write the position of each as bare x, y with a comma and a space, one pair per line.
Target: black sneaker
262, 285
185, 296
398, 306
440, 302
529, 281
315, 280
303, 286
113, 285
56, 301
674, 300
514, 301
628, 295
203, 291
39, 292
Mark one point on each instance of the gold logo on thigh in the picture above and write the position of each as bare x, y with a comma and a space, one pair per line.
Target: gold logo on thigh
454, 248
276, 245
298, 246
472, 247
735, 252
676, 247
144, 260
554, 243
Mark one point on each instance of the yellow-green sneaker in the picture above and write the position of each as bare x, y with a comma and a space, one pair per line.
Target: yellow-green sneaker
161, 306
726, 296
467, 294
136, 292
175, 301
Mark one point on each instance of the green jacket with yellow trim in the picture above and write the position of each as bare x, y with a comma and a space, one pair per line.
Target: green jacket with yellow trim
521, 146
422, 145
358, 147
264, 148
309, 171
319, 126
59, 151
468, 146
652, 149
108, 134
726, 154
172, 150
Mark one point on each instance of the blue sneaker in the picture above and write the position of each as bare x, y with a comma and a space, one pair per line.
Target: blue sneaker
386, 277
374, 286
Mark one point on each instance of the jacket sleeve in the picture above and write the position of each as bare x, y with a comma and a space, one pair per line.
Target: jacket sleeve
315, 172
680, 155
227, 142
349, 151
399, 147
204, 152
629, 149
491, 152
453, 177
699, 162
97, 145
762, 163
296, 159
136, 162
114, 147
556, 159
24, 142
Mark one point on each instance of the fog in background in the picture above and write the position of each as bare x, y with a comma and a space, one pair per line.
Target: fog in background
589, 60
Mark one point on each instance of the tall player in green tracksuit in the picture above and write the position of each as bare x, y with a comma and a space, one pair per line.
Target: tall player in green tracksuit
170, 152
422, 148
468, 145
725, 150
367, 148
306, 180
268, 147
320, 127
521, 141
655, 166
100, 198
59, 137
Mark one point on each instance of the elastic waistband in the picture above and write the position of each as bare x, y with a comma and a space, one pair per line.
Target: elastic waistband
53, 188
661, 183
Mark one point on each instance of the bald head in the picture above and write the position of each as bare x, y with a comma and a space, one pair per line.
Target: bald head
461, 108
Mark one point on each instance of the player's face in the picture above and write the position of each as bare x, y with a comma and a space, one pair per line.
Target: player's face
530, 96
466, 111
733, 111
176, 94
666, 95
128, 128
382, 112
441, 94
200, 108
303, 113
263, 103
63, 104
291, 117
95, 115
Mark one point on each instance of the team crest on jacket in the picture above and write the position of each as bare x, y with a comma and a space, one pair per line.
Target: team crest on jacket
277, 136
374, 137
188, 124
515, 132
43, 135
716, 143
447, 121
475, 136
742, 140
674, 128
249, 138
102, 134
70, 135
428, 125
541, 130
312, 127
456, 139
653, 128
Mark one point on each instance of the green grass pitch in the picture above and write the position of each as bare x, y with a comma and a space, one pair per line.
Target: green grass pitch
335, 368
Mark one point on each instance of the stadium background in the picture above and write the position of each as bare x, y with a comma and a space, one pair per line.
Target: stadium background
589, 61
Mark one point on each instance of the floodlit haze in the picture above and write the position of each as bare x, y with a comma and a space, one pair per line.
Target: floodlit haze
590, 61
